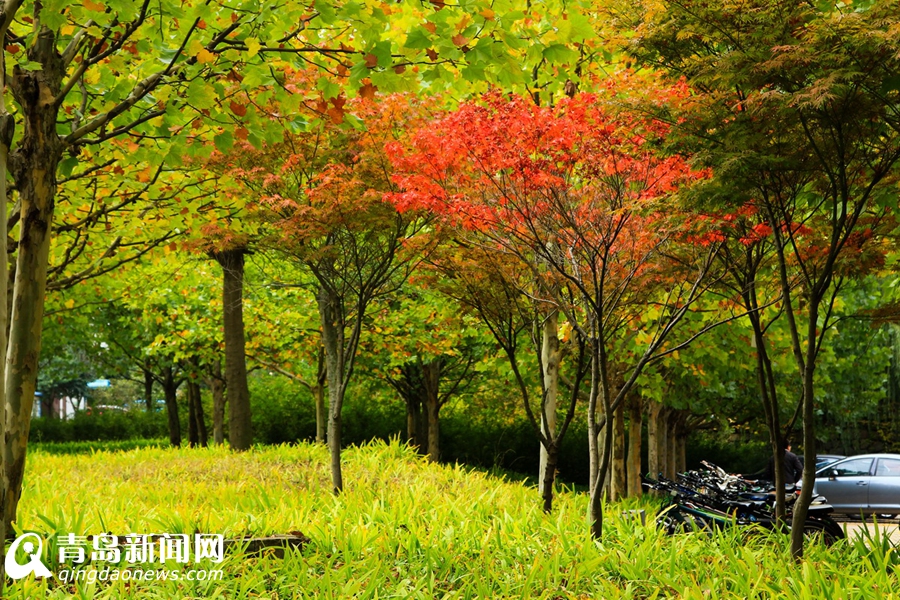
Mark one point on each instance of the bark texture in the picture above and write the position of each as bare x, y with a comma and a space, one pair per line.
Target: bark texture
33, 166
240, 431
654, 460
635, 424
333, 343
618, 485
217, 388
170, 391
550, 357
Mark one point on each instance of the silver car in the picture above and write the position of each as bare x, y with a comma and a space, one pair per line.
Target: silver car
868, 483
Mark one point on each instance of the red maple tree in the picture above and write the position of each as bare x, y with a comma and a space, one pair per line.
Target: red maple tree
580, 195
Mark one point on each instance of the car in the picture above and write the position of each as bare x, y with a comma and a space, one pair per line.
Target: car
862, 484
823, 459
827, 459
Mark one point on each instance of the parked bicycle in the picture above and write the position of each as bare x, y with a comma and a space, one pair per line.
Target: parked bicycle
709, 498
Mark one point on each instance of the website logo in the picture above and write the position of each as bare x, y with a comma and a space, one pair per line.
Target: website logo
15, 569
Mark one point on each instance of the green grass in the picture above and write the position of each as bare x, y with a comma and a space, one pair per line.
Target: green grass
87, 447
407, 529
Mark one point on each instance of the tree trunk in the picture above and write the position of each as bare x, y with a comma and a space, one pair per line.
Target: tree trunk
33, 165
635, 414
318, 392
801, 505
47, 402
217, 388
148, 388
321, 413
240, 430
662, 439
654, 460
767, 392
170, 391
413, 410
549, 476
201, 420
671, 443
618, 490
550, 360
198, 434
193, 434
422, 427
431, 378
7, 123
7, 127
600, 455
333, 345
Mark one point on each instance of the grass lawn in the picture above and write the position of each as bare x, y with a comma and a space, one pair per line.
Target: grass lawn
405, 529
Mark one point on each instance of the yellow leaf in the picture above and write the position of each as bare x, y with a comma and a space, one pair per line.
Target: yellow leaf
205, 57
94, 6
70, 304
253, 46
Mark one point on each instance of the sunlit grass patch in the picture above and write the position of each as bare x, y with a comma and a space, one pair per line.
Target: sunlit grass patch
408, 528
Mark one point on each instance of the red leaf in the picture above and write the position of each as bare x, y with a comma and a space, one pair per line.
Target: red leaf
336, 114
367, 91
238, 109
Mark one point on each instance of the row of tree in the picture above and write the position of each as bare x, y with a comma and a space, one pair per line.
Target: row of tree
613, 228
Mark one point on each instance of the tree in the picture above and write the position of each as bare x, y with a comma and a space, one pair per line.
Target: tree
425, 369
498, 288
321, 199
798, 103
86, 74
570, 192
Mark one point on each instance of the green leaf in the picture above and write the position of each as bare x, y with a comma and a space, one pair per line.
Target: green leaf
30, 65
326, 12
382, 50
328, 88
200, 94
224, 141
52, 18
559, 53
418, 39
67, 165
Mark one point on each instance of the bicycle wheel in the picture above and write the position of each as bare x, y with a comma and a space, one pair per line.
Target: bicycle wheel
827, 533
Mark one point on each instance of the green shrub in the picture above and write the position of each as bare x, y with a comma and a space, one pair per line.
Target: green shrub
100, 425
